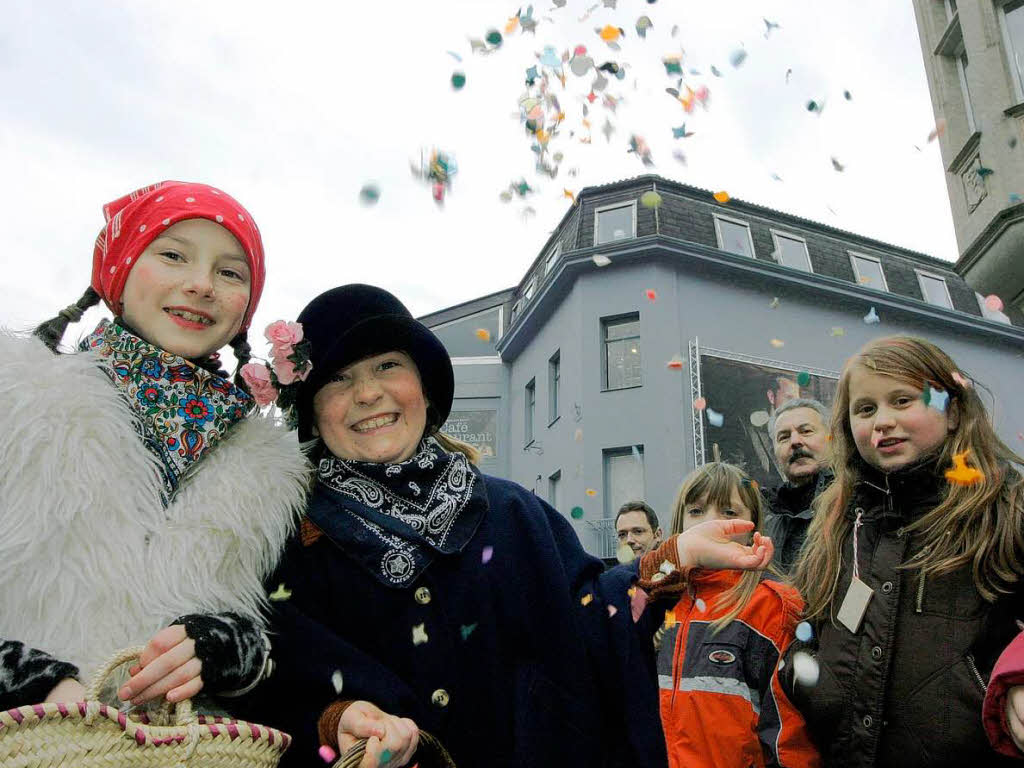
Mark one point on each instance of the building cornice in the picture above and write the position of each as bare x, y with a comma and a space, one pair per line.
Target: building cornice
578, 262
1002, 221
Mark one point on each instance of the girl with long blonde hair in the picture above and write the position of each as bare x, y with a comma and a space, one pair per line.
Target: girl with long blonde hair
721, 701
911, 566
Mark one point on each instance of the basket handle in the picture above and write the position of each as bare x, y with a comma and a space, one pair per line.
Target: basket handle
182, 710
430, 748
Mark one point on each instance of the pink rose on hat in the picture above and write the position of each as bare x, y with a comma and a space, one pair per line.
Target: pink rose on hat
258, 378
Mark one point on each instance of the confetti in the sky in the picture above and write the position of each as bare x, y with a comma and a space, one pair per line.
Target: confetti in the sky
871, 318
938, 130
935, 398
803, 379
610, 34
467, 630
612, 610
994, 303
569, 193
587, 599
768, 27
805, 669
721, 197
681, 132
625, 554
650, 294
419, 634
961, 474
715, 419
578, 436
837, 331
591, 492
777, 343
369, 194
836, 165
327, 754
675, 364
486, 554
577, 513
458, 80
483, 334
280, 593
601, 260
737, 57
642, 25
774, 304
650, 199
337, 681
700, 404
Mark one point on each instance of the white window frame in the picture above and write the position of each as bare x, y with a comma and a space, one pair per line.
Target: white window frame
530, 288
554, 386
965, 91
1016, 72
529, 411
740, 222
854, 255
950, 11
777, 233
554, 483
552, 257
936, 276
610, 207
989, 314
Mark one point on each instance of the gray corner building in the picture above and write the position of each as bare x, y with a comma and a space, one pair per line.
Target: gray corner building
581, 382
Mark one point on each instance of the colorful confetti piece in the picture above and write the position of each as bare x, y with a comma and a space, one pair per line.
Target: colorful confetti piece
650, 294
337, 681
578, 436
483, 334
961, 474
486, 554
327, 754
369, 194
612, 610
610, 34
587, 599
805, 669
803, 379
700, 404
625, 554
871, 318
715, 419
600, 260
280, 593
964, 383
994, 303
935, 398
419, 634
837, 331
700, 605
467, 630
938, 130
675, 364
637, 603
458, 80
774, 304
591, 492
804, 632
759, 418
650, 199
577, 513
721, 197
777, 343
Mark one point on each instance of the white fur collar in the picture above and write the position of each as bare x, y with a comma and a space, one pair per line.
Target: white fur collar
92, 561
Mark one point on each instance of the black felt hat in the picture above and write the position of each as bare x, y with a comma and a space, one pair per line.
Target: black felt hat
353, 322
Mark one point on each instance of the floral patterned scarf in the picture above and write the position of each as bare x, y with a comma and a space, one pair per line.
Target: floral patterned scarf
183, 410
395, 518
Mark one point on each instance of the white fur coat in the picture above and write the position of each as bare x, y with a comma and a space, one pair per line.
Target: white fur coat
90, 559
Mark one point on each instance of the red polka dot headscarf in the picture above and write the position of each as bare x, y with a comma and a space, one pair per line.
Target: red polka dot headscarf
138, 218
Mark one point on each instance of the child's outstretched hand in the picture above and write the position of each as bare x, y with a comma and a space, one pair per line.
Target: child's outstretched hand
168, 665
398, 737
1015, 715
718, 544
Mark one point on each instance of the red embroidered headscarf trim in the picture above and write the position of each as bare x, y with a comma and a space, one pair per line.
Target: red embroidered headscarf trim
138, 218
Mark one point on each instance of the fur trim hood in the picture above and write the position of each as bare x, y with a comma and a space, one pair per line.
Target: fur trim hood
92, 560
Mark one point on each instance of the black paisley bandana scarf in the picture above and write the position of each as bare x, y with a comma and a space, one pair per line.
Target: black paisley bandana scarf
183, 410
395, 518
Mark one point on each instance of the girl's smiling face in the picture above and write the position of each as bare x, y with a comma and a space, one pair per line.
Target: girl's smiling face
189, 289
891, 425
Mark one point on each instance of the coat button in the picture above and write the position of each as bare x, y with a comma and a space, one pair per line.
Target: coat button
422, 595
868, 722
440, 698
887, 587
876, 653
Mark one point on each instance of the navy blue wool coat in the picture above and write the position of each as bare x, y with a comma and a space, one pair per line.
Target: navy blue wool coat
516, 670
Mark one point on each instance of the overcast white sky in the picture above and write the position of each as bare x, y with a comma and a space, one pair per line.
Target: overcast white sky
292, 107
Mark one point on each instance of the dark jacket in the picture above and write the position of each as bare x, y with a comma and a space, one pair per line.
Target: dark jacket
523, 665
789, 514
907, 689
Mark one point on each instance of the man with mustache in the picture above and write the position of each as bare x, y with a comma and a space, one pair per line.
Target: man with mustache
799, 431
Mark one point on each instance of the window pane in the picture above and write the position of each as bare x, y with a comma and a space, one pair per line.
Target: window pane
552, 257
793, 253
531, 400
735, 238
618, 329
934, 290
1015, 31
623, 477
554, 377
623, 363
554, 482
614, 224
869, 273
962, 64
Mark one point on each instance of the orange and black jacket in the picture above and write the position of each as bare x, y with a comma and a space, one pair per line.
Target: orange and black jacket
722, 705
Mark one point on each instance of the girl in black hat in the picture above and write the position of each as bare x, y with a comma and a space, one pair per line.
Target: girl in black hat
423, 595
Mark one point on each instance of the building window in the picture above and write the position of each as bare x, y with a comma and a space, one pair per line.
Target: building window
554, 383
613, 223
531, 406
791, 251
1011, 15
950, 9
868, 271
734, 236
554, 486
961, 69
991, 314
623, 477
934, 289
515, 309
552, 257
622, 361
530, 287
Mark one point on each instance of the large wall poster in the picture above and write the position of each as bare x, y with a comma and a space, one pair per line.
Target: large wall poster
745, 391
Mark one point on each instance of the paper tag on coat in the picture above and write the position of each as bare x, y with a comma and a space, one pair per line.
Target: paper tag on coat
851, 612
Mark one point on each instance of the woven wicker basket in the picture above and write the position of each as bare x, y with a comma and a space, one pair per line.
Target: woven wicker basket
91, 734
429, 754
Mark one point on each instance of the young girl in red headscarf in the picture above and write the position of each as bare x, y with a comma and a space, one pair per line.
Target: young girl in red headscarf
142, 499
